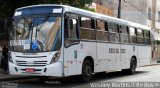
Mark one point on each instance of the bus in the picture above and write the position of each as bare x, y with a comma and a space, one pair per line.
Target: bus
60, 41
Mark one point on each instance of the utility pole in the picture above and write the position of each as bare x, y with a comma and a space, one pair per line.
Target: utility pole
119, 9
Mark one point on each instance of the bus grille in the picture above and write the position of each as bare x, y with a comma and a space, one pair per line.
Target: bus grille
31, 63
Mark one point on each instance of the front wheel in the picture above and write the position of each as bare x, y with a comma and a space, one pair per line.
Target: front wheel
86, 71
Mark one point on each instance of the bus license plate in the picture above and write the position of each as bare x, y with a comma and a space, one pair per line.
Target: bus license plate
30, 70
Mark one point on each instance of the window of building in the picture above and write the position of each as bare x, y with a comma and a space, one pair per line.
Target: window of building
159, 16
149, 13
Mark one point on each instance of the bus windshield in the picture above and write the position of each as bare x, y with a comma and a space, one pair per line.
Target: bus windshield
36, 34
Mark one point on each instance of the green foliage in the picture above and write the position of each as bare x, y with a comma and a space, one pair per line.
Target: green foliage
7, 7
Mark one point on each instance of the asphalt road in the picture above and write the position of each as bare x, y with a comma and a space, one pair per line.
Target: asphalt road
143, 76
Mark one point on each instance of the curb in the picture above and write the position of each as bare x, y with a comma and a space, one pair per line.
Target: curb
151, 65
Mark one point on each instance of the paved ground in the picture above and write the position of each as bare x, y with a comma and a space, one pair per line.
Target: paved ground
143, 74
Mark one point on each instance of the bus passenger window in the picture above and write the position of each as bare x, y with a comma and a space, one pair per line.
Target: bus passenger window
72, 32
72, 28
147, 39
113, 32
102, 33
140, 36
87, 31
133, 38
66, 27
124, 34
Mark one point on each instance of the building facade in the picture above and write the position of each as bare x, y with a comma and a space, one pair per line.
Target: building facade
132, 10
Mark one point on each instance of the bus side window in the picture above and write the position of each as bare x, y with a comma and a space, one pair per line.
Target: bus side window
102, 31
73, 27
124, 34
133, 38
147, 39
87, 28
71, 33
140, 36
113, 32
66, 27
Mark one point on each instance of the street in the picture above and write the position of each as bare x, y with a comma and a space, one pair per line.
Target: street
143, 74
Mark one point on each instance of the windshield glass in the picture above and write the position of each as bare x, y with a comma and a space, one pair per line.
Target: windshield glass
36, 34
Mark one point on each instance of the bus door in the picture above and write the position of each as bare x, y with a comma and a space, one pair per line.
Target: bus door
71, 43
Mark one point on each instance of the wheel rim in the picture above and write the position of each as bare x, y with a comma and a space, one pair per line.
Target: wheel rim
88, 71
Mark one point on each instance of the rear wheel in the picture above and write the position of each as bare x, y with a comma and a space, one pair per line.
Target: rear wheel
133, 65
86, 71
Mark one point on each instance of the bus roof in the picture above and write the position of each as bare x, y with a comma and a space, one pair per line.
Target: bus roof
92, 14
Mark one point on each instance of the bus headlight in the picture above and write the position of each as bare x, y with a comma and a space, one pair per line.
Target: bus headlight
55, 57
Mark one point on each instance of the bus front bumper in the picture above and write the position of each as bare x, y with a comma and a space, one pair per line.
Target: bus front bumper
48, 70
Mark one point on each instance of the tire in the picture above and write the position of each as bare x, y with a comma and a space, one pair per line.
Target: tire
86, 71
132, 69
133, 65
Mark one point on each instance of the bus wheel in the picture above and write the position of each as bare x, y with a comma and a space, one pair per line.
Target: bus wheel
133, 65
86, 71
132, 69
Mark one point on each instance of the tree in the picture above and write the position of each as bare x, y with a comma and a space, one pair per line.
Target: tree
7, 7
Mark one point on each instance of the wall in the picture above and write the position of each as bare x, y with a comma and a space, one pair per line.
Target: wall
132, 10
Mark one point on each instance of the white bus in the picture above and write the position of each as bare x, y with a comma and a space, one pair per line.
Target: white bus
59, 41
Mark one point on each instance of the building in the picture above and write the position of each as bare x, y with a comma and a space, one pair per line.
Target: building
132, 10
154, 22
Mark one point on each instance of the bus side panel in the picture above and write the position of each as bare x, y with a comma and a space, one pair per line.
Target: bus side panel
144, 58
74, 56
113, 56
102, 56
127, 51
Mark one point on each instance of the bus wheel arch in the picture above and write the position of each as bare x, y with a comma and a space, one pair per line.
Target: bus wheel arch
134, 57
87, 69
89, 58
133, 65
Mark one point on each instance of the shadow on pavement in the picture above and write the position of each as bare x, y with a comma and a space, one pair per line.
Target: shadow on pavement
69, 81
